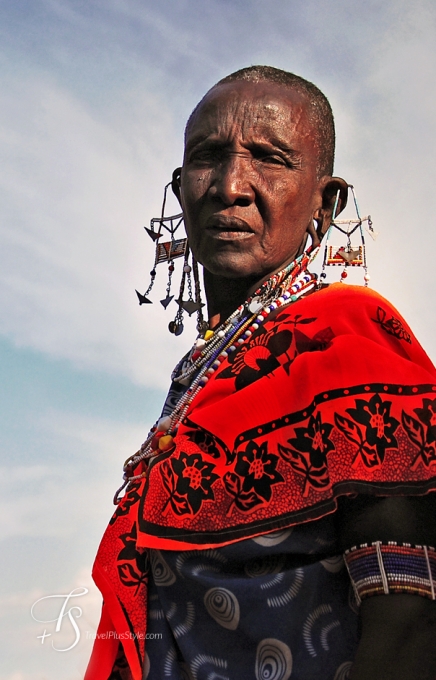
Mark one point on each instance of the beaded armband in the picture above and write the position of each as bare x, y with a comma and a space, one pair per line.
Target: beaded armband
383, 568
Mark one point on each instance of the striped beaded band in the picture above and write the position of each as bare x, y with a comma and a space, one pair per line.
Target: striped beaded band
383, 568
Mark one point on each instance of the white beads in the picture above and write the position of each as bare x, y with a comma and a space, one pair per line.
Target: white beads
164, 424
254, 306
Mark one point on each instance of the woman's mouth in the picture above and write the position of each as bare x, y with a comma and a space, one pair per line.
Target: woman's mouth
226, 228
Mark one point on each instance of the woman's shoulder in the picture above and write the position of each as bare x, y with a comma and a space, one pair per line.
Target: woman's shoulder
343, 292
356, 306
356, 314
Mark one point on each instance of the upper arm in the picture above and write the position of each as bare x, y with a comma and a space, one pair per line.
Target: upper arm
405, 519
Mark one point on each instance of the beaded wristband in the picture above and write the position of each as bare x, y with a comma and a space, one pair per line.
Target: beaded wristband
383, 568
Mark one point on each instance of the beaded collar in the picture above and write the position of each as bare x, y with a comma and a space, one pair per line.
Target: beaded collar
212, 348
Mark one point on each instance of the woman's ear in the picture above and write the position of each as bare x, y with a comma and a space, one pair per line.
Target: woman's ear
175, 184
329, 188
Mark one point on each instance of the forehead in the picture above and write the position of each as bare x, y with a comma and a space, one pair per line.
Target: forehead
263, 107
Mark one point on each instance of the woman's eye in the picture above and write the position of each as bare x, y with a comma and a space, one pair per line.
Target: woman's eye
274, 160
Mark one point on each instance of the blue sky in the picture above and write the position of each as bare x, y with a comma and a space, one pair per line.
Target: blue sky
93, 100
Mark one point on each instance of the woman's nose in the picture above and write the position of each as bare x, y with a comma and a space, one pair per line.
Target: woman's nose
232, 181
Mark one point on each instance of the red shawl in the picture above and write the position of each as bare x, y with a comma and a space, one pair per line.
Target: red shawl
333, 395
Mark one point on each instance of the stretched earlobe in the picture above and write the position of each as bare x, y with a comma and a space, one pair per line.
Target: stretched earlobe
334, 192
313, 231
175, 183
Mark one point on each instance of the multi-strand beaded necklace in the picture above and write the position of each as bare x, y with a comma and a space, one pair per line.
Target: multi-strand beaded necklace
210, 350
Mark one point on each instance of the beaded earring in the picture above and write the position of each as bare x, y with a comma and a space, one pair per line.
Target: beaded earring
347, 255
168, 252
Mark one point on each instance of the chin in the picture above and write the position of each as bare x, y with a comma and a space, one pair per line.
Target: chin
232, 267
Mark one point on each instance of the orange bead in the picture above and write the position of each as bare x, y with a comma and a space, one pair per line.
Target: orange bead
156, 439
166, 442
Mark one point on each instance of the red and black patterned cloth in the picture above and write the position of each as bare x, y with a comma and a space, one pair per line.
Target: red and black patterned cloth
333, 395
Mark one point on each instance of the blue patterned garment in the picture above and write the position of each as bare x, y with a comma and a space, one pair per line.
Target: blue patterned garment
271, 608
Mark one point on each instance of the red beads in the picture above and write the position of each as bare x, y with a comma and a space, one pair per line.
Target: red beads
344, 275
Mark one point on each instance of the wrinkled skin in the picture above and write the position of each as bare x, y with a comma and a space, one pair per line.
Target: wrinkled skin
249, 186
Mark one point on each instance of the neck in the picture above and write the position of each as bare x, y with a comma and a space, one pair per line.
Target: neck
225, 295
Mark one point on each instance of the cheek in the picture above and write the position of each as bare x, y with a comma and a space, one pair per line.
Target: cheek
193, 193
288, 222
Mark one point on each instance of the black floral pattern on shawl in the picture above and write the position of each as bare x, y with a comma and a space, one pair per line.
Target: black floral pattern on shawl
131, 564
427, 415
393, 326
254, 476
257, 356
308, 453
207, 442
188, 479
379, 428
130, 498
422, 432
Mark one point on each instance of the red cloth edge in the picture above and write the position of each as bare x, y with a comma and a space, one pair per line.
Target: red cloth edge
113, 620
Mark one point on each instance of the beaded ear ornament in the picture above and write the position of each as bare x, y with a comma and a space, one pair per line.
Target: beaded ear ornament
167, 252
347, 255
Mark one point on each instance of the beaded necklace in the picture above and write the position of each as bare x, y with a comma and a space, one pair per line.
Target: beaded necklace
209, 351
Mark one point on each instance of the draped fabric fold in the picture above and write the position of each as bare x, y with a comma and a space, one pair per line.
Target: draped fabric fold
332, 395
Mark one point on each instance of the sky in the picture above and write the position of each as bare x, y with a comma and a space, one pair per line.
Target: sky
93, 100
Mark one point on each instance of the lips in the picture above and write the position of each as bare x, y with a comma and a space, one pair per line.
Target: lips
228, 228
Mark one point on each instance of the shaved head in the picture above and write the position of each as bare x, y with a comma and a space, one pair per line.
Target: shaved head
318, 108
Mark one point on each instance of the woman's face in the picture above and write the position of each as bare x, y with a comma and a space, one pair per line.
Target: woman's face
249, 187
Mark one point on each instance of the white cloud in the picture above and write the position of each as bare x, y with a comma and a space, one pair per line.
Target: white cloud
75, 199
62, 498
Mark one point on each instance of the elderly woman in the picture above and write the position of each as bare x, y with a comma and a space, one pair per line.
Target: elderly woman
277, 521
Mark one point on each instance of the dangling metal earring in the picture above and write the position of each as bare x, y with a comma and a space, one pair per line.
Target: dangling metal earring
165, 252
168, 252
347, 255
190, 305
